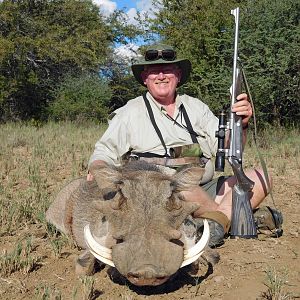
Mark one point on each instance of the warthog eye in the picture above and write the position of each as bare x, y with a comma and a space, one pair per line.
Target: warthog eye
110, 195
177, 242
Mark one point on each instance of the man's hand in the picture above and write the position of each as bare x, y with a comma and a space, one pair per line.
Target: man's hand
95, 164
89, 177
243, 108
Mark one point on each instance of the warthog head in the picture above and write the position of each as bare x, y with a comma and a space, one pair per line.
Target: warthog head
143, 213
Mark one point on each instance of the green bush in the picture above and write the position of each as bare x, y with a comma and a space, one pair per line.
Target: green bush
80, 98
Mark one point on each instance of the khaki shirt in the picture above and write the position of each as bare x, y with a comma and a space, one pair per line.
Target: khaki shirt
131, 128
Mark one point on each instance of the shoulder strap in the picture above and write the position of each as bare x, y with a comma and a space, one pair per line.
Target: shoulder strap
189, 125
150, 112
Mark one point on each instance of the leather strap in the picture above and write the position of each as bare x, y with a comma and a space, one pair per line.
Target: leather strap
261, 159
189, 126
173, 162
150, 112
219, 217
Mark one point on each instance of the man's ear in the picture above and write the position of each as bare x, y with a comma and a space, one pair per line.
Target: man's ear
179, 73
144, 76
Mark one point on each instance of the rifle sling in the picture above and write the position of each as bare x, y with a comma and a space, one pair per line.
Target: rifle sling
261, 159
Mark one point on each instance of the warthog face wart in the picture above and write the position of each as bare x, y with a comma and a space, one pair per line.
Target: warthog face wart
132, 219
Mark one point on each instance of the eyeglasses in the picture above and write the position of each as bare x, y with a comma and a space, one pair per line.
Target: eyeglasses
166, 54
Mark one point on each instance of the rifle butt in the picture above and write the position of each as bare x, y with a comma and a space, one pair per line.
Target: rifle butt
242, 219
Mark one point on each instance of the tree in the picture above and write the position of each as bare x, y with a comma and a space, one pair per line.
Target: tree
117, 67
118, 72
202, 30
81, 98
40, 42
271, 51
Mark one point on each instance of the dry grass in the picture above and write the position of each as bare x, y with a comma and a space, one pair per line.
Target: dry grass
35, 162
280, 147
19, 259
276, 282
45, 292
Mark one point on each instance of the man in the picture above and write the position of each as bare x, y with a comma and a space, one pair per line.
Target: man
158, 125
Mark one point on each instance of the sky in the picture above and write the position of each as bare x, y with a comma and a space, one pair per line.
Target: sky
131, 8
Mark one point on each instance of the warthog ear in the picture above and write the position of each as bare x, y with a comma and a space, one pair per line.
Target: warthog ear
107, 177
179, 215
188, 178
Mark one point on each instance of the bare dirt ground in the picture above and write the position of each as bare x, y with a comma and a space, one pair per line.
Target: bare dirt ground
240, 274
35, 163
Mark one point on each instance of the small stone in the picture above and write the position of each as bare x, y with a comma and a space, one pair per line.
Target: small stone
219, 278
294, 233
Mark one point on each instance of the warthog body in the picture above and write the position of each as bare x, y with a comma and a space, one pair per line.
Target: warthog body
137, 213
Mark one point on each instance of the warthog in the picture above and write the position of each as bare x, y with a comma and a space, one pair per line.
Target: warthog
132, 218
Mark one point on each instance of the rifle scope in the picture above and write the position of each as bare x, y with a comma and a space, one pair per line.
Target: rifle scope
220, 134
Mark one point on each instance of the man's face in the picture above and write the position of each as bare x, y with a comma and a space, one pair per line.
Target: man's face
161, 80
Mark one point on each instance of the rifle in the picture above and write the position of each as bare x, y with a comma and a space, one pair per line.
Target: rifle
242, 221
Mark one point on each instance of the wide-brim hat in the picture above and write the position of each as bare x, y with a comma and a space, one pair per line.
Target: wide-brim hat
139, 63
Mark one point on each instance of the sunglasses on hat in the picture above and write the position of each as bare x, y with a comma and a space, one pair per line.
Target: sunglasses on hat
166, 54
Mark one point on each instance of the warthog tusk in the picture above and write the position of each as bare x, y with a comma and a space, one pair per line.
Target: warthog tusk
103, 259
98, 248
192, 254
100, 252
191, 260
198, 247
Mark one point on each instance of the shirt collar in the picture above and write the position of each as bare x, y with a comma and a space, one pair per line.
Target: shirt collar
178, 104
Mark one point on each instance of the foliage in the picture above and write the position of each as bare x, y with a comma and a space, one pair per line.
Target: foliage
123, 86
81, 98
270, 48
40, 41
202, 30
122, 31
117, 67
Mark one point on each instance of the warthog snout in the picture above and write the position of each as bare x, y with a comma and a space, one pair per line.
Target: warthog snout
147, 275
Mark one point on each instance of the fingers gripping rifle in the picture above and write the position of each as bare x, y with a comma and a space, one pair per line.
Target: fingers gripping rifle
242, 221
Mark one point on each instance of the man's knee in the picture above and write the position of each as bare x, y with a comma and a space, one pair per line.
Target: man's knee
264, 179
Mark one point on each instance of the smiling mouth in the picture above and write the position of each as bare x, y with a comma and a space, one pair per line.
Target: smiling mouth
162, 82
